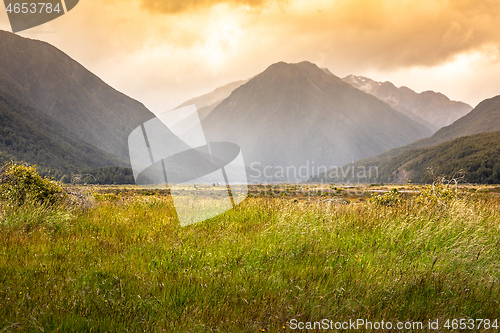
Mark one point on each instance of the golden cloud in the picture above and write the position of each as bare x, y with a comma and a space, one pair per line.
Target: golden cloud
394, 33
208, 41
367, 33
179, 6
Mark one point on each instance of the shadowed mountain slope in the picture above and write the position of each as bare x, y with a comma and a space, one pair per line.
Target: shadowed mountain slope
483, 119
28, 134
476, 157
48, 79
292, 115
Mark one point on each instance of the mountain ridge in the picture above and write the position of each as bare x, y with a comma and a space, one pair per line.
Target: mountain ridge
207, 102
48, 79
30, 135
476, 157
483, 119
293, 113
434, 108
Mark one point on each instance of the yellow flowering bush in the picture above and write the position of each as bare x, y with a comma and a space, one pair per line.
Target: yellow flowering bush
436, 194
21, 183
391, 198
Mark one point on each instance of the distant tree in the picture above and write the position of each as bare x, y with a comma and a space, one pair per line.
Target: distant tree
65, 179
89, 179
108, 176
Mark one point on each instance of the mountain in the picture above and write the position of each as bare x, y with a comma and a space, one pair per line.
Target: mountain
477, 157
30, 135
293, 118
483, 119
49, 80
207, 102
432, 109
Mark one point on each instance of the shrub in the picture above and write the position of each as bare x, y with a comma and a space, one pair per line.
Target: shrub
443, 190
21, 183
436, 194
66, 179
391, 198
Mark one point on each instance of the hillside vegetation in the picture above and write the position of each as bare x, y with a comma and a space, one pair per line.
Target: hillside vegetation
485, 117
477, 157
28, 134
106, 176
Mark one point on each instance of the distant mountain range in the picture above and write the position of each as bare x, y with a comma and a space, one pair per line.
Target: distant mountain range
295, 115
429, 108
207, 102
47, 79
472, 143
290, 121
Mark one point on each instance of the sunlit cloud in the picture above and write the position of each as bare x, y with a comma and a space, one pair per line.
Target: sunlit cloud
178, 6
184, 48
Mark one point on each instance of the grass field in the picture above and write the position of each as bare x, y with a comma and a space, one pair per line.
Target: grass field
123, 263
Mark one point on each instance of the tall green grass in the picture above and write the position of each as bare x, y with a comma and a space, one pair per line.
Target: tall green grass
126, 265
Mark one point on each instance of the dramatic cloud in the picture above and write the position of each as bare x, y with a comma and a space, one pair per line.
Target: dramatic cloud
178, 6
392, 33
164, 52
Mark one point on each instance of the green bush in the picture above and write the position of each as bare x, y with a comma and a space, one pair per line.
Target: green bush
21, 183
391, 198
66, 179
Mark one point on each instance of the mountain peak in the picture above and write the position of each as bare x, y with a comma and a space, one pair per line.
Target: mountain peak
297, 74
305, 67
304, 63
432, 109
294, 114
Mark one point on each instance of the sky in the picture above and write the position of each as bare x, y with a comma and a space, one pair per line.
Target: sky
163, 53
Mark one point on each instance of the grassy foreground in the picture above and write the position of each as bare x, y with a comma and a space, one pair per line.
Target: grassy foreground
125, 265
